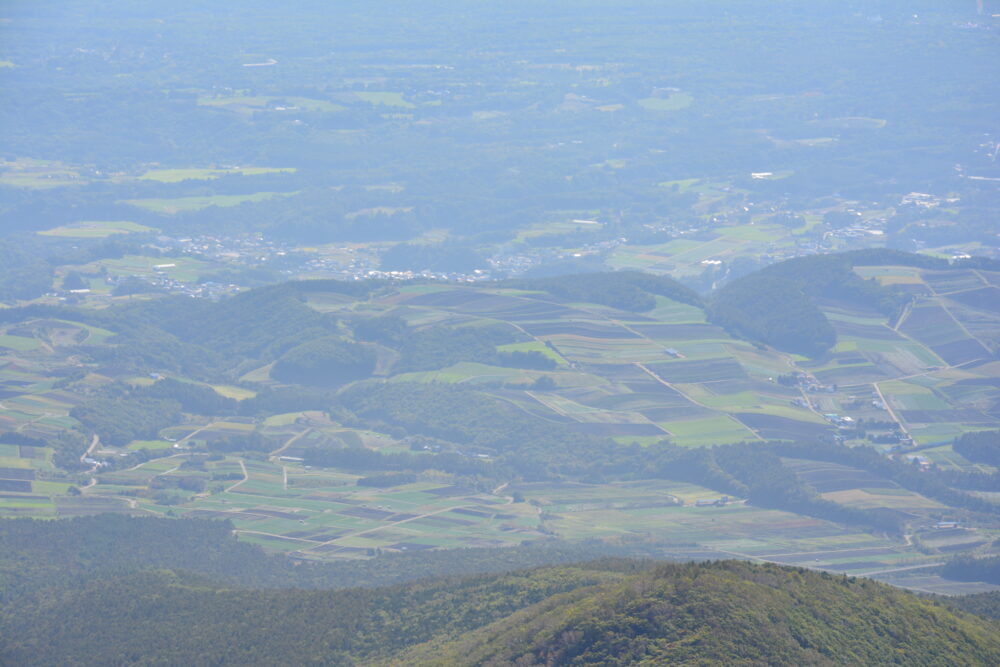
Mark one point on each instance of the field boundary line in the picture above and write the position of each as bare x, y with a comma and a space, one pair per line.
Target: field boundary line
246, 476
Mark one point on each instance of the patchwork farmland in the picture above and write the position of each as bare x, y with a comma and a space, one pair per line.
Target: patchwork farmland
663, 375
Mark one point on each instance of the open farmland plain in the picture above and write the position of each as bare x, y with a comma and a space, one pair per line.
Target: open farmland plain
907, 387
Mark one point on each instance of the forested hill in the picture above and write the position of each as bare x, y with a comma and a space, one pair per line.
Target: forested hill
725, 613
777, 305
603, 613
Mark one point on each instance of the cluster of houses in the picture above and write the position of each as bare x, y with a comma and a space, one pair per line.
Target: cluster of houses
163, 282
357, 265
507, 262
354, 263
919, 460
839, 420
807, 383
477, 275
921, 200
251, 249
712, 502
871, 228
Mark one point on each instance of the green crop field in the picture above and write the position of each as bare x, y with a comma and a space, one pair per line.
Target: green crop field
149, 444
18, 343
238, 393
674, 102
713, 430
96, 230
38, 174
534, 346
184, 268
202, 174
178, 204
581, 223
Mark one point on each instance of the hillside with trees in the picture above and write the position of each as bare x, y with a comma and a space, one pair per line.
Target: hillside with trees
725, 613
777, 305
327, 361
980, 446
607, 612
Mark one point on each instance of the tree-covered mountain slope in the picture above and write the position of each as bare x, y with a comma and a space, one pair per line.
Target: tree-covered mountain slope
168, 618
725, 613
610, 612
778, 305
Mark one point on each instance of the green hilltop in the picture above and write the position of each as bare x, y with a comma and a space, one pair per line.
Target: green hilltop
724, 613
604, 613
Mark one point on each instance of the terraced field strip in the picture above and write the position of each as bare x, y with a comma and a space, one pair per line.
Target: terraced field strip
291, 441
246, 476
965, 330
688, 396
282, 537
901, 569
396, 523
888, 408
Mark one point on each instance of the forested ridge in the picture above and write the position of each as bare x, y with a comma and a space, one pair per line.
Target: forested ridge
971, 568
777, 305
526, 444
182, 619
725, 613
986, 605
980, 446
604, 612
